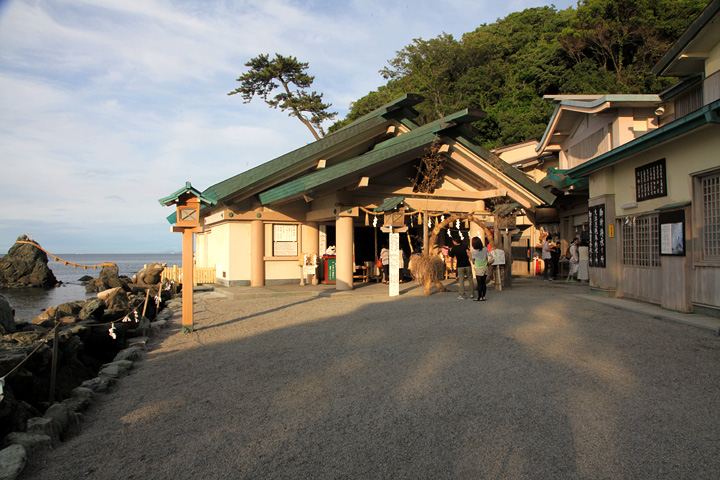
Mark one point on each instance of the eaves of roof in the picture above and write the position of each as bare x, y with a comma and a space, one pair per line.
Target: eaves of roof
291, 163
508, 170
681, 86
187, 189
702, 20
417, 138
708, 114
556, 178
589, 107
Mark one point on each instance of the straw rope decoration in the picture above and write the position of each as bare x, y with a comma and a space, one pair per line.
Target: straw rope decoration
65, 262
43, 341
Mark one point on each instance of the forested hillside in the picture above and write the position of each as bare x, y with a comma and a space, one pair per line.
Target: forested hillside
504, 68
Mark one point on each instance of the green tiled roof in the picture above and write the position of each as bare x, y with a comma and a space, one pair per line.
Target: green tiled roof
508, 170
173, 197
418, 138
389, 204
557, 179
297, 161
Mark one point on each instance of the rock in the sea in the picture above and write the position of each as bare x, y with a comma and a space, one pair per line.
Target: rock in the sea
7, 317
25, 266
109, 278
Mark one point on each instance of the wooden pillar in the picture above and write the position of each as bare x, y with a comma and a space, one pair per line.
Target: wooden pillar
344, 254
311, 238
257, 252
187, 281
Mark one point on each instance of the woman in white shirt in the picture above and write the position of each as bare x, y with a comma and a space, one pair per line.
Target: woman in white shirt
479, 254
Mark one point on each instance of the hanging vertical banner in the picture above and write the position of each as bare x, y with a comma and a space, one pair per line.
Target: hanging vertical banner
596, 250
394, 264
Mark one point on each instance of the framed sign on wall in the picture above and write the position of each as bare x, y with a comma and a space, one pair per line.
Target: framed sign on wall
285, 242
651, 181
672, 233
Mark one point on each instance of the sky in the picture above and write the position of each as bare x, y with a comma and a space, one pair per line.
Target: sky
108, 105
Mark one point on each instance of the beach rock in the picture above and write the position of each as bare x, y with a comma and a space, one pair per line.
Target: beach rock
12, 461
93, 308
73, 308
7, 317
31, 442
25, 266
109, 278
109, 275
150, 275
117, 299
98, 384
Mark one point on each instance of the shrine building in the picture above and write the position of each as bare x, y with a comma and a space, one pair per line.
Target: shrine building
259, 226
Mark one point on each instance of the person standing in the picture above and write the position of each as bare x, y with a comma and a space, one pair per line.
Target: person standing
480, 258
584, 262
555, 257
385, 259
574, 261
459, 254
547, 259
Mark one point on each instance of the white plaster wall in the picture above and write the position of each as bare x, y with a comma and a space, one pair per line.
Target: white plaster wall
226, 247
239, 251
712, 64
282, 270
686, 155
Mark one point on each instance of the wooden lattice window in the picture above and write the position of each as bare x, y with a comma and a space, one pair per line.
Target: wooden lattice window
710, 191
641, 241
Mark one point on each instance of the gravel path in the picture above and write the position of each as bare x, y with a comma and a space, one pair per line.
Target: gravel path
534, 383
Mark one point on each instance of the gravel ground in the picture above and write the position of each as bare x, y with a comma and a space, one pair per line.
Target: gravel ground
534, 383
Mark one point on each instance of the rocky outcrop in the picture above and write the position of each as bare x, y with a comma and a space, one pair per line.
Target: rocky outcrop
7, 317
28, 423
109, 278
25, 266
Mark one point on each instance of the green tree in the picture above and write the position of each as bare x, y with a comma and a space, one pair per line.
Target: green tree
505, 68
266, 75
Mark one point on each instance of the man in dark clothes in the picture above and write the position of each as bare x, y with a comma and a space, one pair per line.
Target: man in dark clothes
555, 258
459, 252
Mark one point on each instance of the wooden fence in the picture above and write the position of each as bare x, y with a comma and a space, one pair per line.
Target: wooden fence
200, 274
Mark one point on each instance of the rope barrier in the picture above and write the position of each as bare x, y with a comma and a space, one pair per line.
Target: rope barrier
58, 259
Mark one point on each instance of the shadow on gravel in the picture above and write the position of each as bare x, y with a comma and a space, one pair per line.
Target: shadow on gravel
535, 383
206, 308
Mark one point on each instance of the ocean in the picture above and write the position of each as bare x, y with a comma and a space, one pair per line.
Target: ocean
30, 302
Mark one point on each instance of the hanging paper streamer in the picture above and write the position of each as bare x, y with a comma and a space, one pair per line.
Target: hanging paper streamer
375, 221
457, 223
448, 232
112, 332
442, 218
429, 222
461, 235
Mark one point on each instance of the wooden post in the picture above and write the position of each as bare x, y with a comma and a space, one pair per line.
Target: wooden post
187, 285
53, 367
187, 202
